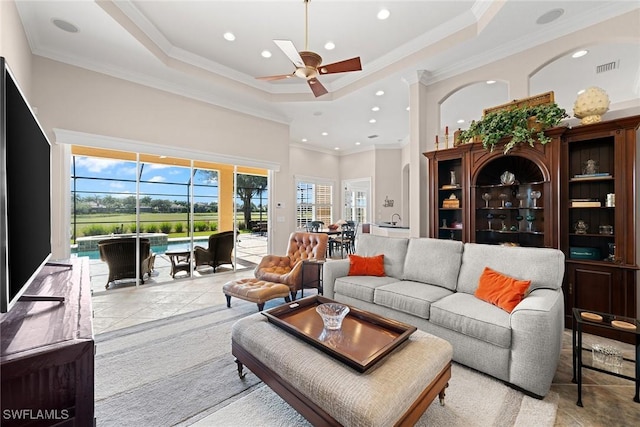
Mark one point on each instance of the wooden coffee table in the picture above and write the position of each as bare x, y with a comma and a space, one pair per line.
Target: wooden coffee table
395, 388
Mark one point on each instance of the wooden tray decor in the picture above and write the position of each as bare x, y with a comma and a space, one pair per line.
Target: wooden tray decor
532, 101
364, 339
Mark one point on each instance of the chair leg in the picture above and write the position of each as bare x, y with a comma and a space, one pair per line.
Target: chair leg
260, 306
293, 295
228, 301
287, 299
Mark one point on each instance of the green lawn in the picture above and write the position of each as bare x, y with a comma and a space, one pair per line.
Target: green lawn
107, 223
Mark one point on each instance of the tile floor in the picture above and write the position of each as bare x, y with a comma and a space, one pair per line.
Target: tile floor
607, 400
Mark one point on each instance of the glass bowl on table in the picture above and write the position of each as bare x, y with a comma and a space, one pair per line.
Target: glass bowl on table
332, 314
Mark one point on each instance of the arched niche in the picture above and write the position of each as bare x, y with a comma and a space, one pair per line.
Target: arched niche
601, 66
467, 103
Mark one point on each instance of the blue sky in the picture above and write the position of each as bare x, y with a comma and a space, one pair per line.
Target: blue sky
161, 178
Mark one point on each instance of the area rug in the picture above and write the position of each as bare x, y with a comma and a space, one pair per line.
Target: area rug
179, 371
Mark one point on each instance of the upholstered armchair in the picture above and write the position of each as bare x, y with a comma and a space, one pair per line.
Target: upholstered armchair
288, 269
120, 255
219, 251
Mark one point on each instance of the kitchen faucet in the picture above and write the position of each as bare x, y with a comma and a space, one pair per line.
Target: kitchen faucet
399, 219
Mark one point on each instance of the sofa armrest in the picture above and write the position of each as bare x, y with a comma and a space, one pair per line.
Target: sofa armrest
333, 269
537, 325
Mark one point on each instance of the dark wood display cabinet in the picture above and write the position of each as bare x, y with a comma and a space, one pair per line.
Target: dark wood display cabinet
504, 199
598, 219
511, 212
449, 176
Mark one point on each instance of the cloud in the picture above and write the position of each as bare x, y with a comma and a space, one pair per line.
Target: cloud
158, 178
96, 164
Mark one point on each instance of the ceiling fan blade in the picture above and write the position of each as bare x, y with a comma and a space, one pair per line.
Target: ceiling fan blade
290, 50
316, 87
278, 77
352, 64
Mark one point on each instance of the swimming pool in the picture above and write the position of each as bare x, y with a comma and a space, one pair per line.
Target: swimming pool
172, 245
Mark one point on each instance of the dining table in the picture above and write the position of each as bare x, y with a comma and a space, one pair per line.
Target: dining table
330, 232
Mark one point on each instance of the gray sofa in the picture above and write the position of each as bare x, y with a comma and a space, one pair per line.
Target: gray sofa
430, 284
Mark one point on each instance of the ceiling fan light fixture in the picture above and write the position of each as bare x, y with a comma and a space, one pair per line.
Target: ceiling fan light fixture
307, 63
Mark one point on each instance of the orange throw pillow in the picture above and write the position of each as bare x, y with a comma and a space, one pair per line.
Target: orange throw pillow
366, 266
500, 290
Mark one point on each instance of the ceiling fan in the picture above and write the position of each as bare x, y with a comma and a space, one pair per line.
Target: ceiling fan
308, 64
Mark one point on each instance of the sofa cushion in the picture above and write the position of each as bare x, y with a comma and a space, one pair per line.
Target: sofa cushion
500, 290
409, 297
433, 261
470, 316
361, 287
543, 266
394, 250
366, 265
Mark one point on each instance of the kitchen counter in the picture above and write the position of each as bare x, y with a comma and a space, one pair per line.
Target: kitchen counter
390, 230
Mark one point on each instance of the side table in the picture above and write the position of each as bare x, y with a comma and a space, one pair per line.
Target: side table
607, 321
180, 261
312, 268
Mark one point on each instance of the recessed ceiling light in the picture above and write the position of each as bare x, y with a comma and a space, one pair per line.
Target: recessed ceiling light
375, 109
304, 139
460, 121
550, 16
329, 46
581, 91
490, 82
325, 133
357, 142
229, 36
380, 93
336, 148
408, 108
383, 14
372, 121
579, 53
65, 25
265, 54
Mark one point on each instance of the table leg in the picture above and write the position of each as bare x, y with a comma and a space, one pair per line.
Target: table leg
579, 351
574, 355
240, 369
637, 396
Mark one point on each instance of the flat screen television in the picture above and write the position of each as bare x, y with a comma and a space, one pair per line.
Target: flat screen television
25, 192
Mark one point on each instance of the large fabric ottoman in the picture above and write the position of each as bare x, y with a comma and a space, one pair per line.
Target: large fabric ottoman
395, 391
255, 290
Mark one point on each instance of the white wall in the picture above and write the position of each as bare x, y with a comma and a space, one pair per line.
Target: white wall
79, 100
14, 45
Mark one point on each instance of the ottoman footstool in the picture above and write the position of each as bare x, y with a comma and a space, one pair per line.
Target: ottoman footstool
255, 290
327, 392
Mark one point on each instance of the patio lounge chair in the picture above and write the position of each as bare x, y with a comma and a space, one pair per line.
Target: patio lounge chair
120, 255
219, 251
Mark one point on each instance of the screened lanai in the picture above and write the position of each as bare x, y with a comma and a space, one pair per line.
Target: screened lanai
175, 203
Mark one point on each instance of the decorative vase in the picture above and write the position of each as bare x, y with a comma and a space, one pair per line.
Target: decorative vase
591, 105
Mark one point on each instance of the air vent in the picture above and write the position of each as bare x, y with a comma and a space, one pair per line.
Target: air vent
372, 136
607, 67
